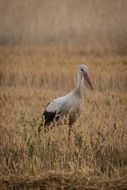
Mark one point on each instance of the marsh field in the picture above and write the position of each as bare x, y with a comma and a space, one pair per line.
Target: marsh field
97, 155
42, 43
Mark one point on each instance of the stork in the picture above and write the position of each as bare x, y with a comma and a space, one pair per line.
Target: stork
67, 108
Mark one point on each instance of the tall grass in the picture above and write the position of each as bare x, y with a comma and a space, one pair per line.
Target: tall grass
98, 146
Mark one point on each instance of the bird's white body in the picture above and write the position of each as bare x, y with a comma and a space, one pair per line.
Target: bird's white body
69, 105
64, 103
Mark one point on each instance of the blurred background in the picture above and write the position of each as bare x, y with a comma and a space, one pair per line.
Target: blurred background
95, 26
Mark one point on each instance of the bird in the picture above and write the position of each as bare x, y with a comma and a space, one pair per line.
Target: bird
67, 109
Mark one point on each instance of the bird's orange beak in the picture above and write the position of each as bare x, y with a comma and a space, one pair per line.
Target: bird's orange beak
87, 79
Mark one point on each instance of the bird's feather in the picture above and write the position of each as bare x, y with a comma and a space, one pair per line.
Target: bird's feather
48, 116
52, 111
62, 107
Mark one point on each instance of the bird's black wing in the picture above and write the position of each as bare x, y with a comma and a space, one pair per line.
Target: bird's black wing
48, 116
50, 113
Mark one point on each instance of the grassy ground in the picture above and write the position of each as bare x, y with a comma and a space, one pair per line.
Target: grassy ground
96, 158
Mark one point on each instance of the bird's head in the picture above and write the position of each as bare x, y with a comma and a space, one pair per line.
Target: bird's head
83, 70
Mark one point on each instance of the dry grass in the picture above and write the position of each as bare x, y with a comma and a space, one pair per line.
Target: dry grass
97, 157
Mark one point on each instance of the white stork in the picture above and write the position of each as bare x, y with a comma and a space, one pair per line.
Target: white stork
68, 107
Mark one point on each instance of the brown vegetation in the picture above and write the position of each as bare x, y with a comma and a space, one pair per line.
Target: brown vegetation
96, 157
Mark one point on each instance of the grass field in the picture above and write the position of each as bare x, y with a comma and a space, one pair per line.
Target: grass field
97, 155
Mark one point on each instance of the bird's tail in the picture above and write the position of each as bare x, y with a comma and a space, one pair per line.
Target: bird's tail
40, 127
42, 124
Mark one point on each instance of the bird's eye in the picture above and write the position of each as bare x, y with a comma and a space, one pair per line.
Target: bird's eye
82, 70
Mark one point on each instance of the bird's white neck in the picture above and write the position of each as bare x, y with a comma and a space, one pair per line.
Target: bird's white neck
80, 85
